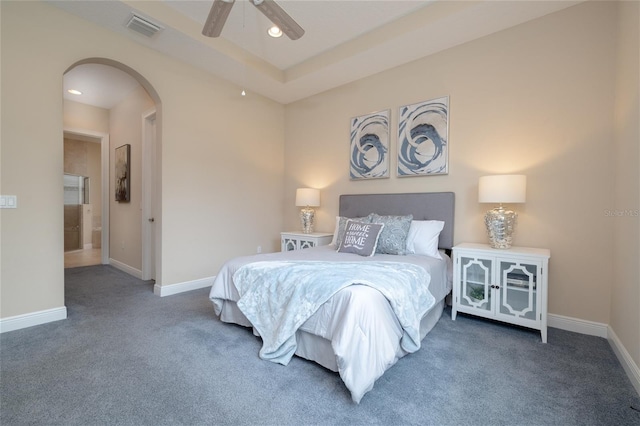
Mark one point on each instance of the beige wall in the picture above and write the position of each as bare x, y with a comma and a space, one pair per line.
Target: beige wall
1, 215
535, 99
125, 218
79, 116
625, 300
222, 157
76, 159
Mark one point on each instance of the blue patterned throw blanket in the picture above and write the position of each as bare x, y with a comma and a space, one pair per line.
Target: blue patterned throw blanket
277, 297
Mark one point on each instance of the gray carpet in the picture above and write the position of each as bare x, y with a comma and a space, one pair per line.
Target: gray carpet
127, 357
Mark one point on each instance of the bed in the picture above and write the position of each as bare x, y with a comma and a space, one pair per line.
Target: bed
360, 330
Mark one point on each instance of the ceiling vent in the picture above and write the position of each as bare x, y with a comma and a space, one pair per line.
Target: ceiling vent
143, 26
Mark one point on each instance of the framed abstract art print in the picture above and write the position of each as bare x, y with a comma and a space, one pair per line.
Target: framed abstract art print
423, 138
369, 146
123, 173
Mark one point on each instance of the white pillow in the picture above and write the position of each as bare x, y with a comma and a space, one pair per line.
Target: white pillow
336, 231
423, 237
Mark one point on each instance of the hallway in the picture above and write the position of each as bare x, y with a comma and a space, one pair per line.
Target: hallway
74, 259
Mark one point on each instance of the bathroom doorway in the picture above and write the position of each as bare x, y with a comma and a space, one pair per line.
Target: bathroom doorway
83, 198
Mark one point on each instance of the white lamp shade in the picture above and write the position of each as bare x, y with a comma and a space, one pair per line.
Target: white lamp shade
502, 189
307, 197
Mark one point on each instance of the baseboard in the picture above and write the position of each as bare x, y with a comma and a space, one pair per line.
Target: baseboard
600, 330
577, 325
171, 289
35, 318
630, 367
125, 268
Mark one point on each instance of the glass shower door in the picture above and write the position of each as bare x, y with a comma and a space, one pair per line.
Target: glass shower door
74, 195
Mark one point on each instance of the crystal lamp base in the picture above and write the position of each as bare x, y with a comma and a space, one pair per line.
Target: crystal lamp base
307, 216
501, 225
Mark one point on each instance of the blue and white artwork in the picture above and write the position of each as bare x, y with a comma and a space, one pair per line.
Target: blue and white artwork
423, 136
370, 146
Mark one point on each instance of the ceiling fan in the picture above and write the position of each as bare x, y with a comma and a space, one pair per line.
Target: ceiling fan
221, 8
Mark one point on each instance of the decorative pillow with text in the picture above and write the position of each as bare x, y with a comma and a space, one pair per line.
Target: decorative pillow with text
360, 238
341, 221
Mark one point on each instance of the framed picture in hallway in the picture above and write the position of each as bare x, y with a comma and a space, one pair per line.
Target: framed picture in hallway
123, 173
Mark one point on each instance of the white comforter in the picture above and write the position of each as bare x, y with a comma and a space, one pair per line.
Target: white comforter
359, 322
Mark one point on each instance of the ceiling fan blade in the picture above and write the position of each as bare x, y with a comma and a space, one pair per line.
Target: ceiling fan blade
217, 17
280, 18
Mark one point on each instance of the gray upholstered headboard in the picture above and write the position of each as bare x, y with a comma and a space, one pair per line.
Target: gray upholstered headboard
423, 206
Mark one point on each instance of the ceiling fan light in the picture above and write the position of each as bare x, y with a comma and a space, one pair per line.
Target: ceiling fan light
275, 32
279, 17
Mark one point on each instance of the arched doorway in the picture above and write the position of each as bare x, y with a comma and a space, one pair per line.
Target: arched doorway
140, 258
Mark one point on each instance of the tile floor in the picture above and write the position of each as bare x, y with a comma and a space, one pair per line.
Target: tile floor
73, 259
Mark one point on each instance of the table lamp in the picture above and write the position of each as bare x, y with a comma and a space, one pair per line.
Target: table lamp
501, 223
307, 198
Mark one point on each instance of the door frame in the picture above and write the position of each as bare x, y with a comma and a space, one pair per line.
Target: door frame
149, 195
104, 172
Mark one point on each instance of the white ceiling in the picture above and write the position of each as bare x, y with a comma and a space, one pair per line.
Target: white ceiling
344, 40
327, 24
101, 85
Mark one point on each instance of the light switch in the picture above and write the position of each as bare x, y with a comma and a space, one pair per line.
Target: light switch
8, 201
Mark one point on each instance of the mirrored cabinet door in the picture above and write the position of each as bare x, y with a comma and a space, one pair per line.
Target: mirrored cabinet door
518, 290
289, 244
476, 282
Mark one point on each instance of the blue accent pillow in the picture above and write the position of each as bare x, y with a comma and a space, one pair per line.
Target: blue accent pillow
393, 239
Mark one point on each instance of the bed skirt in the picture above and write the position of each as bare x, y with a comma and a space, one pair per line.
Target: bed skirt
318, 349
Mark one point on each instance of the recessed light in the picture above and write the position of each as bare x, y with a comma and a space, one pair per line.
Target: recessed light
74, 92
275, 32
